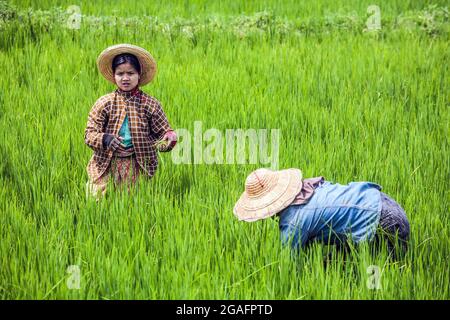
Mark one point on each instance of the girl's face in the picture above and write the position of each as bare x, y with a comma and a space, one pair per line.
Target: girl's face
126, 76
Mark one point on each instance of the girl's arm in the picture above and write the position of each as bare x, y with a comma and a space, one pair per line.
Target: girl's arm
158, 122
97, 119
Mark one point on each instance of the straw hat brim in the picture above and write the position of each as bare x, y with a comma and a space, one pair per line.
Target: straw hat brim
251, 209
148, 64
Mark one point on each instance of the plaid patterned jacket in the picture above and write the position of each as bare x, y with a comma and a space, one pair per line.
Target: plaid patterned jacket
148, 124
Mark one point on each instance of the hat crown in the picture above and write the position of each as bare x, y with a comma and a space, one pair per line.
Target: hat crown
146, 61
260, 182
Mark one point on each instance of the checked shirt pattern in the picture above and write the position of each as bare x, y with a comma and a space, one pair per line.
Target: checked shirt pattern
148, 124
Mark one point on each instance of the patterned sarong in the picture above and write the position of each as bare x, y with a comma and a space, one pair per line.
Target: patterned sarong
122, 171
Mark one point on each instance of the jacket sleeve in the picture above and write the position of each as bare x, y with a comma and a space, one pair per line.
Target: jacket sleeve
96, 124
159, 124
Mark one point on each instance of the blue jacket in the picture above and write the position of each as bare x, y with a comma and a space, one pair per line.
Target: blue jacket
334, 214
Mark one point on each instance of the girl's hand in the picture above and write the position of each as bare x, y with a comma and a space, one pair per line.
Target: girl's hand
169, 141
112, 142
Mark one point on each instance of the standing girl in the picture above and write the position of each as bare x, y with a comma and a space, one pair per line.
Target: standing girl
126, 126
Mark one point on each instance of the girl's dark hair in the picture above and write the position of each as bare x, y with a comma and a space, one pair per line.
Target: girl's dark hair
124, 58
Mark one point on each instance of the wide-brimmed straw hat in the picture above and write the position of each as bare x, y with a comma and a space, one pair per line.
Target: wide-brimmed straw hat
148, 64
267, 192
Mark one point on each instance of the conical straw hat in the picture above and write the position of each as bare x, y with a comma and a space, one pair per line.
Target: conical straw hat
267, 192
148, 64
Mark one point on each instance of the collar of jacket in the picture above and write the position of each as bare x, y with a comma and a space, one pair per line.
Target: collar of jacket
128, 94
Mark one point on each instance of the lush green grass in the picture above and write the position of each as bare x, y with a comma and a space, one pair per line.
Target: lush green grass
350, 105
195, 8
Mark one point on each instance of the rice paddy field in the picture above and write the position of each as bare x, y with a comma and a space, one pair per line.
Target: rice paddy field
351, 104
